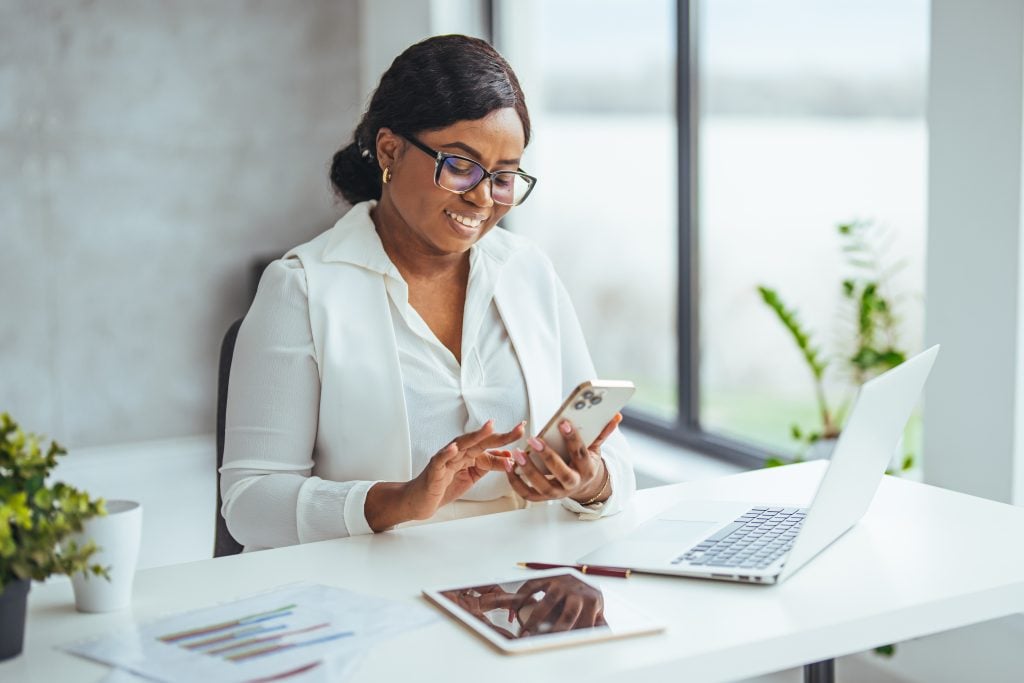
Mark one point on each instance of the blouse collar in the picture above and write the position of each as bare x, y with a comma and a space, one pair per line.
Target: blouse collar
354, 240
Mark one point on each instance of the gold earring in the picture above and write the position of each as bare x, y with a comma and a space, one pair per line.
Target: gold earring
386, 178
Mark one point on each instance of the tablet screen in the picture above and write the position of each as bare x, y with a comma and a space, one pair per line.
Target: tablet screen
533, 607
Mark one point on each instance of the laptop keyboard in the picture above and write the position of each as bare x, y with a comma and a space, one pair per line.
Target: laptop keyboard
755, 540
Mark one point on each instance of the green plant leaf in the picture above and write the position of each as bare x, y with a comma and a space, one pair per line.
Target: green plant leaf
802, 337
36, 518
869, 323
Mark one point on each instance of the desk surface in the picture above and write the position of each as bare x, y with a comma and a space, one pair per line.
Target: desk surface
921, 561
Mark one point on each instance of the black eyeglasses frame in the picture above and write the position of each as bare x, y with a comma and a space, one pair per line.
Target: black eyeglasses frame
440, 157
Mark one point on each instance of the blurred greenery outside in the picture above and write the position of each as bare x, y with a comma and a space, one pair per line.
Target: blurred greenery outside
656, 397
763, 418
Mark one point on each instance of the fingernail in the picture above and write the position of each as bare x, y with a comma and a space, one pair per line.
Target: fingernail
565, 427
508, 465
535, 443
519, 456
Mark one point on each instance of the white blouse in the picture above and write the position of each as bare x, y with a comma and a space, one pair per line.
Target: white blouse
444, 398
313, 421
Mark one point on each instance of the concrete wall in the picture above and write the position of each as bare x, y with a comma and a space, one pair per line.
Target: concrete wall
148, 152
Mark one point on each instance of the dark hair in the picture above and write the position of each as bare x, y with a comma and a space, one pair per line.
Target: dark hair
431, 85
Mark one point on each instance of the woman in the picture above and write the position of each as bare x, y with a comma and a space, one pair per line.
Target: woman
387, 370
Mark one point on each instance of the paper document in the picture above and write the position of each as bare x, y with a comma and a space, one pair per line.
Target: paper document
294, 630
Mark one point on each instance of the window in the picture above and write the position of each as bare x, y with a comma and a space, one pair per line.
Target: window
599, 78
811, 114
689, 151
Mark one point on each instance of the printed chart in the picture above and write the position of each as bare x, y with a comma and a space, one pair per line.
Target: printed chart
255, 635
287, 631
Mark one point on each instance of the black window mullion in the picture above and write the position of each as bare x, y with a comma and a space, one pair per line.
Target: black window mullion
686, 431
687, 308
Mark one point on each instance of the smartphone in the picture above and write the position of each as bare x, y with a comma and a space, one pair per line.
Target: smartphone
589, 407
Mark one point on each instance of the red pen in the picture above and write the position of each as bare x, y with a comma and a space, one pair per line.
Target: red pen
617, 572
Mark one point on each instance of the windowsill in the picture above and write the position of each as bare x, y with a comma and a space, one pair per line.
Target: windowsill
177, 518
657, 463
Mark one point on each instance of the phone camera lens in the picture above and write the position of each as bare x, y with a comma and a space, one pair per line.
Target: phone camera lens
594, 401
579, 405
588, 394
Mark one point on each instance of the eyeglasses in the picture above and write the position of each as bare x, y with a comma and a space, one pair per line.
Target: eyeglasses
460, 175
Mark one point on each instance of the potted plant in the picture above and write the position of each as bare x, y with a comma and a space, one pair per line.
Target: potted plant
35, 519
870, 330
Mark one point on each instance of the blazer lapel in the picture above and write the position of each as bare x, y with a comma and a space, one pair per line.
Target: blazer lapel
381, 419
362, 412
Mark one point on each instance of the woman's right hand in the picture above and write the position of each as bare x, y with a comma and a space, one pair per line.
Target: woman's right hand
457, 466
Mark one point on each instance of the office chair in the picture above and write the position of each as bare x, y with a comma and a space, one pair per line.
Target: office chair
223, 542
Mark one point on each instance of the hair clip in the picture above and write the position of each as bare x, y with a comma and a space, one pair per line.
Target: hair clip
364, 153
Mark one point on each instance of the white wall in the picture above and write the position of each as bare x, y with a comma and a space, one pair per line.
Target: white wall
390, 26
974, 401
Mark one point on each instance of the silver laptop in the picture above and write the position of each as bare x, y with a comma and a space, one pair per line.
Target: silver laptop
759, 543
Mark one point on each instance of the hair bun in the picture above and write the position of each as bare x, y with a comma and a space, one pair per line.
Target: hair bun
353, 177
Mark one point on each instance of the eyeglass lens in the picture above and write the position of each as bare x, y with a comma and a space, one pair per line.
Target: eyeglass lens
461, 175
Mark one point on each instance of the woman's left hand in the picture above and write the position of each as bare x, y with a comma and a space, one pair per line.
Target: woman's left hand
582, 478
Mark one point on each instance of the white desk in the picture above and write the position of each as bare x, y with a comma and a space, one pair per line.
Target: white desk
923, 560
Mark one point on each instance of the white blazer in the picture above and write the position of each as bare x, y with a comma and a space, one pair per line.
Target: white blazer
362, 429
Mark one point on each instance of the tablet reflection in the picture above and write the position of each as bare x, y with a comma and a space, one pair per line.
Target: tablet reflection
534, 607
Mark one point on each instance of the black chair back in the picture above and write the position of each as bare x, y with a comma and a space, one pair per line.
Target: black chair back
223, 542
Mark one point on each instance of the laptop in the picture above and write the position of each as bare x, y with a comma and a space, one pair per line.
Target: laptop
767, 543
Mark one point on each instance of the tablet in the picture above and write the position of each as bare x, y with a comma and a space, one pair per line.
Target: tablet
540, 610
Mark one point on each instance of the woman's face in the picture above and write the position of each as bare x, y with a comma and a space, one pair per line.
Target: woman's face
443, 222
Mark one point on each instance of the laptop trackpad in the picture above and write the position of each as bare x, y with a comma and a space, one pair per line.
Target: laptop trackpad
652, 545
679, 533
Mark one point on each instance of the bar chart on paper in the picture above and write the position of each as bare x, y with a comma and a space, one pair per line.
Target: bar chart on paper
256, 635
286, 631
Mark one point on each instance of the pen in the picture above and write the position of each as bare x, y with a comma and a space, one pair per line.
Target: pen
617, 572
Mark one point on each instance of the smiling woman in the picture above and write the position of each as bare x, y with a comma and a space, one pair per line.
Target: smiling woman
475, 199
389, 370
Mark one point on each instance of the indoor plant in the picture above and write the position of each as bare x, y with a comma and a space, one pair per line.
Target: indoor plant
869, 334
35, 519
